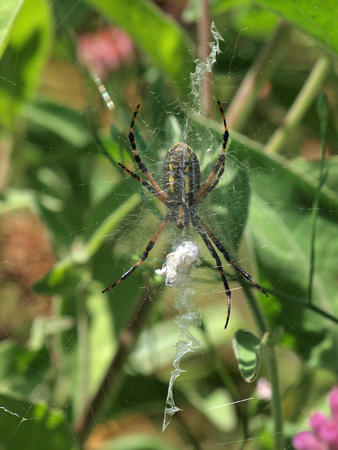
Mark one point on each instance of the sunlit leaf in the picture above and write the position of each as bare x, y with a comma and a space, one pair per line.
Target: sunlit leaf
26, 424
28, 47
316, 19
9, 9
248, 350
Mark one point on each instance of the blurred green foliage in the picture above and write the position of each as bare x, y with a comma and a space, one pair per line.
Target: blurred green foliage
72, 222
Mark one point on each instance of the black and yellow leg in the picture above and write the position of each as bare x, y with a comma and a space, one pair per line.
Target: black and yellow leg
144, 183
143, 257
198, 225
227, 257
137, 158
218, 169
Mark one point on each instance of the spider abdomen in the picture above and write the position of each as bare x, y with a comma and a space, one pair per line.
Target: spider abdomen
181, 181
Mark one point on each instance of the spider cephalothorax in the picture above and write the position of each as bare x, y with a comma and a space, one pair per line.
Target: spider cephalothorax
181, 192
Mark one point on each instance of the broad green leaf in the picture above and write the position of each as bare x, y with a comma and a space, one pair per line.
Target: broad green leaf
316, 19
27, 424
63, 277
156, 34
248, 351
9, 9
47, 119
24, 58
22, 371
280, 222
230, 205
312, 168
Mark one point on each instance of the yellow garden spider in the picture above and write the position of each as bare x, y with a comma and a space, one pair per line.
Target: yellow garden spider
181, 192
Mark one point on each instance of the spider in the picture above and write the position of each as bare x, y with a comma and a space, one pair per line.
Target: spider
182, 191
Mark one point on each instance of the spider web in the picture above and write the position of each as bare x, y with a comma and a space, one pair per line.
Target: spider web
59, 350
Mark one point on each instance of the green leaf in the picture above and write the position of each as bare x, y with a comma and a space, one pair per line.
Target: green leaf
22, 372
9, 9
230, 203
156, 33
30, 425
49, 119
60, 279
280, 222
248, 351
312, 168
27, 50
316, 19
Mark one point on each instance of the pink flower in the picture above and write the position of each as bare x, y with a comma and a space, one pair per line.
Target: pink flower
263, 389
307, 441
105, 50
324, 433
333, 402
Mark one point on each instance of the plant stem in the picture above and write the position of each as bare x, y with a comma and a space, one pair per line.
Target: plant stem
271, 362
83, 357
204, 35
322, 108
266, 62
300, 105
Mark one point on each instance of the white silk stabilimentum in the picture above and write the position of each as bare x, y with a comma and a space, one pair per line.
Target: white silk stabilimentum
179, 264
177, 269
